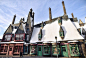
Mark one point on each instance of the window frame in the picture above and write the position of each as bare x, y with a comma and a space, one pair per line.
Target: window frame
19, 37
7, 36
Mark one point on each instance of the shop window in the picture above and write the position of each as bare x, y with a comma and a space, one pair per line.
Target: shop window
74, 49
15, 48
10, 49
25, 48
33, 49
19, 36
6, 48
64, 49
46, 49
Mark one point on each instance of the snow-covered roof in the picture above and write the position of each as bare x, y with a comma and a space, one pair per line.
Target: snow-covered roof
10, 42
76, 24
70, 31
51, 30
34, 37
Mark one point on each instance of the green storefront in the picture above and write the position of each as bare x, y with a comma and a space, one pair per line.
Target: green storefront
74, 50
46, 49
54, 49
33, 48
39, 49
64, 50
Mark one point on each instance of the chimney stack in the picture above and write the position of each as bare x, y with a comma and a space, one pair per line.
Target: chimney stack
64, 8
14, 19
50, 16
72, 15
85, 20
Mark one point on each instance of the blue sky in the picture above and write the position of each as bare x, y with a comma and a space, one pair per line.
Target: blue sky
8, 8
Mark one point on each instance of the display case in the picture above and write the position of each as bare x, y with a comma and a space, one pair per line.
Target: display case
33, 49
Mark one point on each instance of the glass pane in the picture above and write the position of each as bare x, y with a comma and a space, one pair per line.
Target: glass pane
46, 49
17, 37
39, 48
21, 36
9, 35
5, 36
33, 49
64, 49
8, 38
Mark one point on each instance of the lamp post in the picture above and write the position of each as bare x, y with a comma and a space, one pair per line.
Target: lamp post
56, 45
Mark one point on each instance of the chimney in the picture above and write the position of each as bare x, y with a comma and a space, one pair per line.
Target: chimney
64, 8
72, 15
50, 16
85, 20
14, 19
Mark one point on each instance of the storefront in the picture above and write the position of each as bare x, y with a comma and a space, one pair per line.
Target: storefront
46, 49
64, 50
25, 50
39, 49
74, 50
54, 49
33, 49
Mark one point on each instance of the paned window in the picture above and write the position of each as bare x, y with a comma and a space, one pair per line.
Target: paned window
7, 37
19, 36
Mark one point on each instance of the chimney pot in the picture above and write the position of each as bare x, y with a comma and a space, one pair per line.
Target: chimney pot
72, 15
14, 19
50, 15
64, 8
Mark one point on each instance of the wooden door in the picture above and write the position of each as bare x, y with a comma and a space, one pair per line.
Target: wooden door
40, 50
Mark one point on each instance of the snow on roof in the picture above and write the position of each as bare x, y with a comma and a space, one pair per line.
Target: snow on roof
51, 30
14, 30
76, 24
34, 37
70, 31
10, 42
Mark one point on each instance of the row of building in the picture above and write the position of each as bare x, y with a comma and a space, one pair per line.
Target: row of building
61, 35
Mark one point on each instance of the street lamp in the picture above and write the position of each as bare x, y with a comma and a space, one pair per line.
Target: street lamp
56, 45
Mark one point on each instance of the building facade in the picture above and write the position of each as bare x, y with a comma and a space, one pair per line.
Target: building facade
61, 35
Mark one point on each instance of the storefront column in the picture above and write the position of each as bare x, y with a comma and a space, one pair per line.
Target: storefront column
69, 55
83, 49
8, 51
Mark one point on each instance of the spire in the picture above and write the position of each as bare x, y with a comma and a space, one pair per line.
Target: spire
64, 8
14, 19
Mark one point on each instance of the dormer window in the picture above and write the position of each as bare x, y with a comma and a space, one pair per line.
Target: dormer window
19, 37
7, 38
40, 35
59, 21
61, 32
